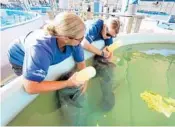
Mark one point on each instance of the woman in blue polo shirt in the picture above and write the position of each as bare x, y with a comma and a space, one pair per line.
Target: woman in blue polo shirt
98, 29
32, 55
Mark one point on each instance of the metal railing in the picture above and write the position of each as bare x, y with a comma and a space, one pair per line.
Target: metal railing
129, 23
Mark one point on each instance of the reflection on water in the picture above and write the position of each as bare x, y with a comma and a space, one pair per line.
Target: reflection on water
135, 72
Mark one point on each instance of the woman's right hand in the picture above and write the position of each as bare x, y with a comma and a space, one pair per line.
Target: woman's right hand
72, 82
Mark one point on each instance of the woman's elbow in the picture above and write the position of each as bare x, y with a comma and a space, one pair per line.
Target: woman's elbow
86, 47
85, 44
30, 88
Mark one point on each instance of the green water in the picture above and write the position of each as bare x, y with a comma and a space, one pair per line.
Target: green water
135, 72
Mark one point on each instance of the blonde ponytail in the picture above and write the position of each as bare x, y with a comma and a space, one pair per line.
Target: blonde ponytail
66, 24
50, 29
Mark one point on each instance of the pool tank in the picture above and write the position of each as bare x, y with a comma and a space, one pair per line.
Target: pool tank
15, 23
154, 15
151, 12
166, 26
41, 10
144, 62
10, 18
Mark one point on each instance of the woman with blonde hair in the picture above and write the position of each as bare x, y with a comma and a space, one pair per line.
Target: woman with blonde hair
32, 55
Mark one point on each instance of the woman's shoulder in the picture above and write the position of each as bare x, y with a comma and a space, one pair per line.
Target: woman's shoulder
40, 41
94, 22
100, 21
99, 24
37, 37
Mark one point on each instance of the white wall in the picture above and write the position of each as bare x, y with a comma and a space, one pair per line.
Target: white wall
63, 4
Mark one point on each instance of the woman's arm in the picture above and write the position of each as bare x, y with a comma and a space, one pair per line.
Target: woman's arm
33, 87
89, 47
81, 65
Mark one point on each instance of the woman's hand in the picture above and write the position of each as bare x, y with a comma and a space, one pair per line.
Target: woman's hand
110, 58
104, 32
106, 53
72, 82
111, 53
84, 88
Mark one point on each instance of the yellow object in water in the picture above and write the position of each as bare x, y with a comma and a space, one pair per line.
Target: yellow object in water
159, 103
114, 46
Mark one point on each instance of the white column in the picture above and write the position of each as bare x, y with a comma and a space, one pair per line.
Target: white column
138, 21
63, 4
124, 5
128, 24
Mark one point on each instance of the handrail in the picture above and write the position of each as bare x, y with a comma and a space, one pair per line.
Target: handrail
127, 24
100, 13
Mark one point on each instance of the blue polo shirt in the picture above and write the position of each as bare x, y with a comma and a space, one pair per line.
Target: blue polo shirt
38, 52
93, 31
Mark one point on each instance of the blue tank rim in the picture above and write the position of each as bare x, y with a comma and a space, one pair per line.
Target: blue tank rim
152, 12
34, 14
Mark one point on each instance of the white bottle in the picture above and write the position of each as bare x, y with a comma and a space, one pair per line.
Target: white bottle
86, 74
114, 46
